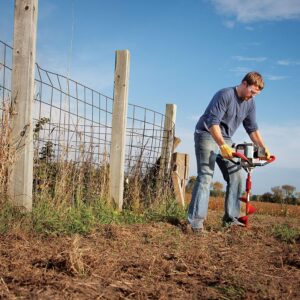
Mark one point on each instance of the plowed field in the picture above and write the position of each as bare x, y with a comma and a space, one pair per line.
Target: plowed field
154, 261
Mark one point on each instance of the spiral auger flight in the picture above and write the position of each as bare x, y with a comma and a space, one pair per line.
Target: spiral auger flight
250, 156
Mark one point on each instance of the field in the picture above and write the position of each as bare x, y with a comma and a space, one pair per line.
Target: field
157, 260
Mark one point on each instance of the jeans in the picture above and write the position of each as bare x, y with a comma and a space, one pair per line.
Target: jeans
207, 154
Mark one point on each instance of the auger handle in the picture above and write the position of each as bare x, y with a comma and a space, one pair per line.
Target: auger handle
243, 157
271, 159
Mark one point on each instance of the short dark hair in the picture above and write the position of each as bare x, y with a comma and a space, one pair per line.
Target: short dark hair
254, 78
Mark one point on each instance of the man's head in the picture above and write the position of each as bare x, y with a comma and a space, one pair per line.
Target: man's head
250, 86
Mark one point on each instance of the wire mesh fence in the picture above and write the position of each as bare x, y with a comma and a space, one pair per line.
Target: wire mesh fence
5, 72
145, 130
75, 119
73, 124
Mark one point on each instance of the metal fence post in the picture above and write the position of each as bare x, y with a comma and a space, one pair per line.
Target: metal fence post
119, 118
22, 97
168, 138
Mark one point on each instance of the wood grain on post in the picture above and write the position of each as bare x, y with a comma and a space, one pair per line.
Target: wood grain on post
168, 139
119, 119
22, 98
180, 172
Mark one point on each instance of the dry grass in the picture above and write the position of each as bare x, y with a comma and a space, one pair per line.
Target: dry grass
263, 208
7, 154
146, 189
77, 264
66, 183
276, 209
153, 261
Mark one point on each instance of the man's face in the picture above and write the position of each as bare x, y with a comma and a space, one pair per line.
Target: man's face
249, 91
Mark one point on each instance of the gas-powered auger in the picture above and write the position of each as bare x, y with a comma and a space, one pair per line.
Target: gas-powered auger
250, 156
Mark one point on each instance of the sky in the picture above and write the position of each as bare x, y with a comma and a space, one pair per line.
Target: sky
183, 52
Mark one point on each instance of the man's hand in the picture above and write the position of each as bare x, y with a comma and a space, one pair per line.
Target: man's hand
226, 151
267, 153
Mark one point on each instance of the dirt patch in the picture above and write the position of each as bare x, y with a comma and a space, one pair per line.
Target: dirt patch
153, 261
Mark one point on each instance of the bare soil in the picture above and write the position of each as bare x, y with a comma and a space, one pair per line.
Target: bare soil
153, 261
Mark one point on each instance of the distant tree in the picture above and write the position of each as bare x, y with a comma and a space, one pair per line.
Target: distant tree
298, 198
218, 186
288, 190
190, 185
217, 189
291, 200
278, 194
266, 197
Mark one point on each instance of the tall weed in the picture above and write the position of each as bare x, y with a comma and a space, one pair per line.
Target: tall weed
7, 153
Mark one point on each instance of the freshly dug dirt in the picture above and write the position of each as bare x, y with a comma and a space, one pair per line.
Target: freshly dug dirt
153, 261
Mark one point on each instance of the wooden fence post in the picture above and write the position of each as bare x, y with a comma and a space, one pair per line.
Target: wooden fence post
180, 173
22, 99
119, 119
168, 138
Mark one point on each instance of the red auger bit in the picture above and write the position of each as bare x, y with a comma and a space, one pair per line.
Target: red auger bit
250, 157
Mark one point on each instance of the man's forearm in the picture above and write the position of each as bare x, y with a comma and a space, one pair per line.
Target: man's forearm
257, 138
215, 131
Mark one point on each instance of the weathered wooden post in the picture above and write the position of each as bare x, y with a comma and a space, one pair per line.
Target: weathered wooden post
168, 138
119, 119
180, 172
22, 97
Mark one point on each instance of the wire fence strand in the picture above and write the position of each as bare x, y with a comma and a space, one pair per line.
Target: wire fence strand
74, 121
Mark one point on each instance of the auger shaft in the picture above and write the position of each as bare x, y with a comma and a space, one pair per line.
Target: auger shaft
248, 163
249, 208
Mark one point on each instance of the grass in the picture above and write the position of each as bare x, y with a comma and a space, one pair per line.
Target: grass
11, 217
263, 208
286, 233
47, 218
70, 197
52, 218
231, 292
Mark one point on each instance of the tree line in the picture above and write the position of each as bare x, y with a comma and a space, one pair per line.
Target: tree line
285, 194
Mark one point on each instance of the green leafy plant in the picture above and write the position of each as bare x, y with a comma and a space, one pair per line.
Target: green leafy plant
286, 233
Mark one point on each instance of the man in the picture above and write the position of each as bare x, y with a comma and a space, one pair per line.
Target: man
227, 110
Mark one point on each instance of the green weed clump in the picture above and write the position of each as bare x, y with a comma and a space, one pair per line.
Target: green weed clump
231, 292
12, 218
286, 233
50, 219
170, 209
